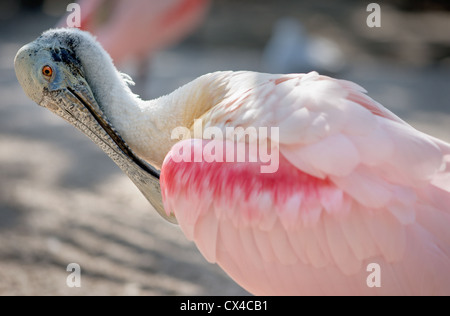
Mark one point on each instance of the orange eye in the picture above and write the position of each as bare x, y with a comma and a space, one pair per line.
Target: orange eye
47, 71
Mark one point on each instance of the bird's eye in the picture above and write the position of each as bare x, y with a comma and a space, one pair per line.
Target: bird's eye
47, 71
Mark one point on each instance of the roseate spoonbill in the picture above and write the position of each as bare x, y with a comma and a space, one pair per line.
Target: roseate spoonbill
358, 205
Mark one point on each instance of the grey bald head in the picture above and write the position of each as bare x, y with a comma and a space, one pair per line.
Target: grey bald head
50, 63
73, 58
68, 72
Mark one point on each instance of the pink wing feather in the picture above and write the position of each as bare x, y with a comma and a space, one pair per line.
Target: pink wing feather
355, 185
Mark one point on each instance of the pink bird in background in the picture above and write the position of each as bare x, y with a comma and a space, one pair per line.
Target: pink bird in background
136, 29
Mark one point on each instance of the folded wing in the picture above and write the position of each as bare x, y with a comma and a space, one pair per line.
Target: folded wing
355, 185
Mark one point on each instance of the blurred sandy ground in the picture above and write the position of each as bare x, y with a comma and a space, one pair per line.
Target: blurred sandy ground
62, 200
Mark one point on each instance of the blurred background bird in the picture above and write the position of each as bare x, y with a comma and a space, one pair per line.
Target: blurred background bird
136, 29
133, 31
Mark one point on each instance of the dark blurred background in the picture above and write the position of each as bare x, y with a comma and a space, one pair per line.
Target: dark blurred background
62, 200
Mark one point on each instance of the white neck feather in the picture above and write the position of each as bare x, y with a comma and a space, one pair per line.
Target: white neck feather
142, 124
147, 125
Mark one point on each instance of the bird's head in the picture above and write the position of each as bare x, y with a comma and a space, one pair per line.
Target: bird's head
68, 72
50, 68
